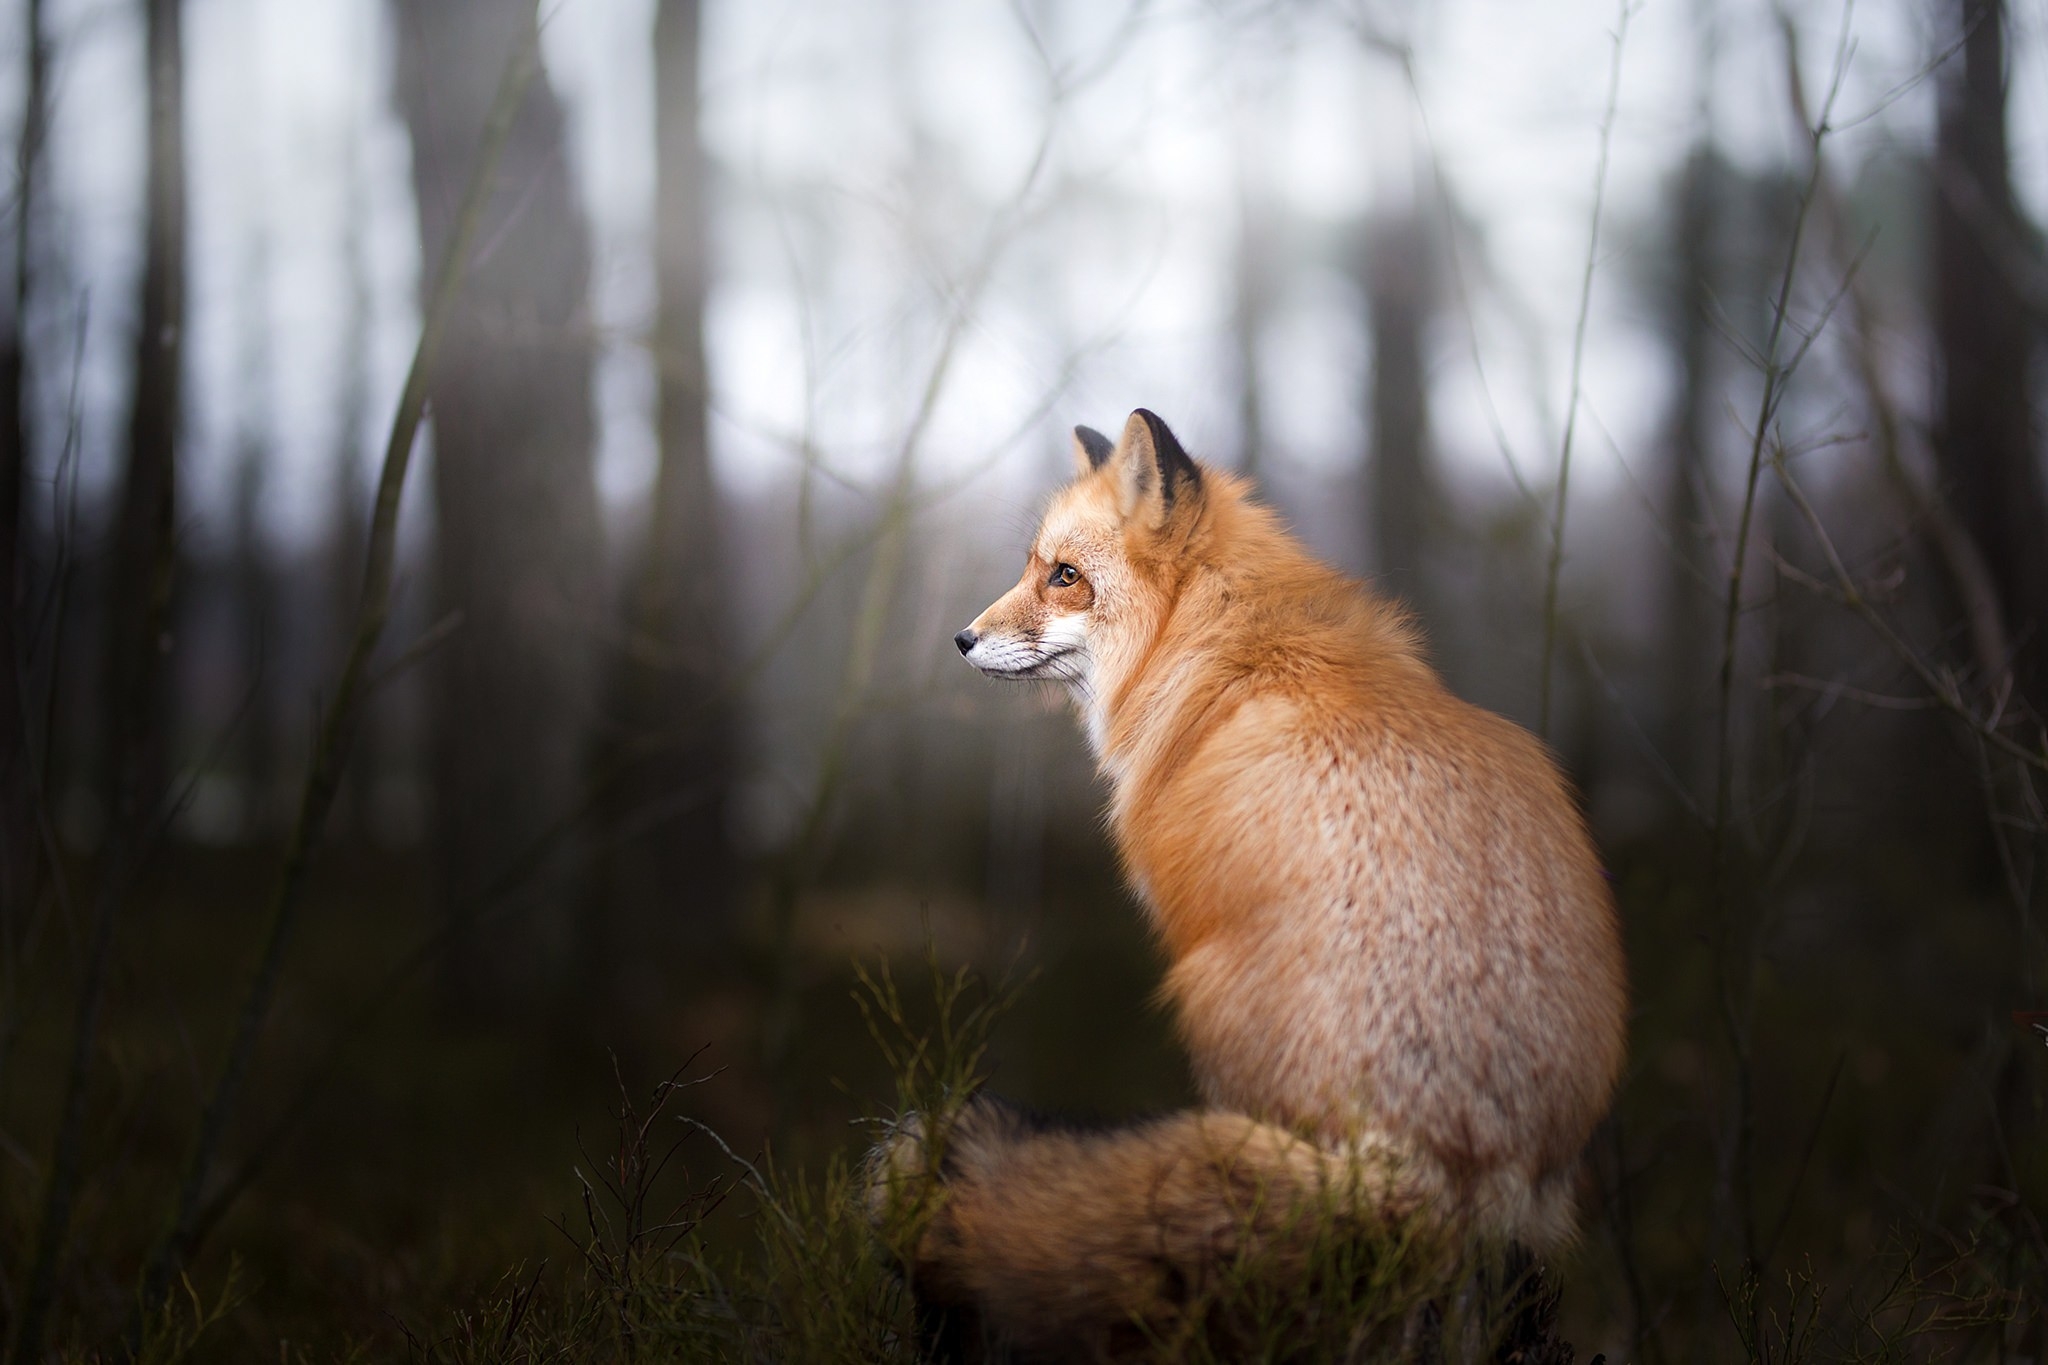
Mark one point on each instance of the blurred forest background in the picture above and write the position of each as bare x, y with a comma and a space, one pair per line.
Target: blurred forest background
1679, 363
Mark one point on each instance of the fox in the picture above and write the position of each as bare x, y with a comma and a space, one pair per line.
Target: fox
1392, 954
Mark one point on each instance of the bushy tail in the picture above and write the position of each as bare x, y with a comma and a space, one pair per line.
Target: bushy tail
1189, 1234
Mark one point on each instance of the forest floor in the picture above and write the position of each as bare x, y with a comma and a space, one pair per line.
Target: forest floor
439, 1171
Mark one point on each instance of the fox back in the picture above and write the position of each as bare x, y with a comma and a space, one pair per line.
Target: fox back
1384, 918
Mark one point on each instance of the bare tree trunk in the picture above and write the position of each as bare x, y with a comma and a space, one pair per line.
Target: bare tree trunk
144, 555
1984, 440
1399, 288
20, 836
1686, 656
256, 617
1985, 343
250, 591
670, 748
517, 547
138, 631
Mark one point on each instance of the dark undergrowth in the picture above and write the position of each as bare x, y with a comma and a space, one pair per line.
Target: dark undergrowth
440, 1203
680, 1248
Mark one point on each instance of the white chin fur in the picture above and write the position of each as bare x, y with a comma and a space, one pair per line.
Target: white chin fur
1055, 660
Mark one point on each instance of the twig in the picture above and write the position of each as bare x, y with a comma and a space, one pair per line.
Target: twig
1827, 1099
495, 903
1775, 379
1737, 1173
1831, 688
892, 539
1454, 219
1968, 573
1571, 415
343, 717
51, 615
1615, 1207
148, 495
413, 654
1658, 763
1455, 237
2017, 884
1941, 686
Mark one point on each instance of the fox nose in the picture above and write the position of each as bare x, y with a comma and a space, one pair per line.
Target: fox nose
965, 639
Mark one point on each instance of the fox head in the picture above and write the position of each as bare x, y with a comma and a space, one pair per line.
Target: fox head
1102, 568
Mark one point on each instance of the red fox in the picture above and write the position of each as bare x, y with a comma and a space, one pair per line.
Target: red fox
1392, 954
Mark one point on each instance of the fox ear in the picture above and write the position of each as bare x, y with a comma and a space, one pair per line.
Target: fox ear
1091, 449
1153, 473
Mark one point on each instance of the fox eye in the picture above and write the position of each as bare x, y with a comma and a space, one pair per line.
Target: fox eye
1063, 576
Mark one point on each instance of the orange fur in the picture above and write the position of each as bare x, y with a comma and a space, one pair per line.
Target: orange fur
1383, 915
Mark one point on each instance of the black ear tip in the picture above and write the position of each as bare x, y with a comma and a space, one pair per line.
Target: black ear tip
1166, 444
1162, 435
1098, 446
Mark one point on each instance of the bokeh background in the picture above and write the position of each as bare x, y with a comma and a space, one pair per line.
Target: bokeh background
1677, 362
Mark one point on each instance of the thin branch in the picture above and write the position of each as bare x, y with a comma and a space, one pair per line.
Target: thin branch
1454, 219
344, 716
50, 615
1658, 763
1968, 572
413, 654
1830, 688
1571, 416
1941, 687
1827, 1098
892, 537
1775, 378
148, 497
1737, 1162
